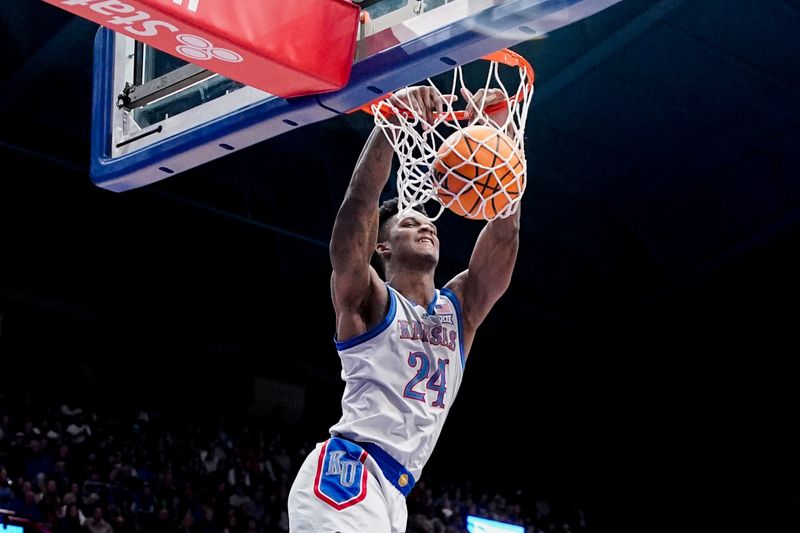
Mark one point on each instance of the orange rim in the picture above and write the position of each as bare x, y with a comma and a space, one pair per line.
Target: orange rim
504, 56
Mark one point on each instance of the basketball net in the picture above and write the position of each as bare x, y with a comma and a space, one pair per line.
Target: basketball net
418, 143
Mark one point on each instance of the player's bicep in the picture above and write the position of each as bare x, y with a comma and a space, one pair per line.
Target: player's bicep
490, 268
351, 288
359, 305
353, 240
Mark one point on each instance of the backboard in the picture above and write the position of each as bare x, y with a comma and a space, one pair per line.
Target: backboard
155, 115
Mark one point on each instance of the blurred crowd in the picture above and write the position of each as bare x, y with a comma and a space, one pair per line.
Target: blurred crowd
72, 469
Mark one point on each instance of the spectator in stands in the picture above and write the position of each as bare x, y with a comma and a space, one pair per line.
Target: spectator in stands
208, 524
255, 508
50, 504
70, 499
72, 521
96, 523
38, 461
239, 498
163, 524
27, 507
187, 523
117, 521
60, 477
68, 412
79, 430
144, 507
6, 494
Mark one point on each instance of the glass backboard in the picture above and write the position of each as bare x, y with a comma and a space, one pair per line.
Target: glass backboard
155, 115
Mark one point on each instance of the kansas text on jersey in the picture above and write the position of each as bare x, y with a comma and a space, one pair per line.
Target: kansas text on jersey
401, 378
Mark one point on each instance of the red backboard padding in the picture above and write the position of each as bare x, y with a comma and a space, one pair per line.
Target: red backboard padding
287, 48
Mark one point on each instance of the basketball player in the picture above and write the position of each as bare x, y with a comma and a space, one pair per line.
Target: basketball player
403, 344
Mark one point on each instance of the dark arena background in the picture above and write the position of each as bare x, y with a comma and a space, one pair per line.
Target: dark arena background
166, 353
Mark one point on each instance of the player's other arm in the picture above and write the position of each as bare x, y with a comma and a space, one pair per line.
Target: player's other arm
495, 252
489, 274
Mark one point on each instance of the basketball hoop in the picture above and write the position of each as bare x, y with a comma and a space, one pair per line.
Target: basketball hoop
476, 170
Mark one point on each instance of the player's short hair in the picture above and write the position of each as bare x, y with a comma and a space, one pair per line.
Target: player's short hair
387, 210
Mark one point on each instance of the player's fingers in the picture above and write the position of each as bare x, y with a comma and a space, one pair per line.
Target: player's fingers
419, 109
413, 100
468, 98
430, 104
446, 103
414, 103
484, 98
402, 101
422, 99
494, 96
439, 105
424, 102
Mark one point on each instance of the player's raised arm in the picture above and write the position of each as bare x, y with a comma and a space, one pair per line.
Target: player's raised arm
491, 266
492, 262
489, 274
355, 230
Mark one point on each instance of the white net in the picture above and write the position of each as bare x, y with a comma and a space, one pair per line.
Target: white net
470, 160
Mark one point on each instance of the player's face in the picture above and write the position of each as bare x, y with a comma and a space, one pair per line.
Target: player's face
414, 235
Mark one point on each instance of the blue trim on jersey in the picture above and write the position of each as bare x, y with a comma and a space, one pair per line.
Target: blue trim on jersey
431, 310
391, 469
452, 296
374, 332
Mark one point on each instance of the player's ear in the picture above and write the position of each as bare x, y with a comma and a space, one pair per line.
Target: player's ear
383, 248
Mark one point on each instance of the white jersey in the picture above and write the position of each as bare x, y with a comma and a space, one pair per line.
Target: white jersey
401, 378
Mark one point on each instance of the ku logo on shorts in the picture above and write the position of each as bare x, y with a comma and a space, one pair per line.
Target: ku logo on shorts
341, 479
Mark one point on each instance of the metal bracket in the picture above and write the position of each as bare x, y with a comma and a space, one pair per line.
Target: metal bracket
134, 96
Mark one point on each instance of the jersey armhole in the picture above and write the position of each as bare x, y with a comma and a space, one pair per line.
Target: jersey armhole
374, 332
453, 298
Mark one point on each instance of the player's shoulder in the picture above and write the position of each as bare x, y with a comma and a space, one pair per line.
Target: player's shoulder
455, 287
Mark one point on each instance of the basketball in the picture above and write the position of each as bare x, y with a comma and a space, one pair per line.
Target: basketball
478, 172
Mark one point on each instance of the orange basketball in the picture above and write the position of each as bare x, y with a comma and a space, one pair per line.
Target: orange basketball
474, 167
